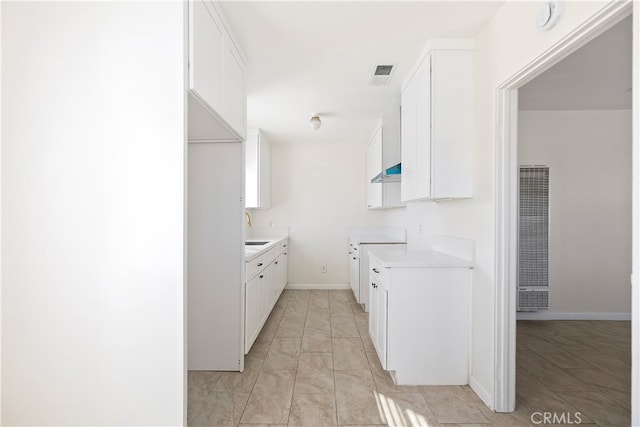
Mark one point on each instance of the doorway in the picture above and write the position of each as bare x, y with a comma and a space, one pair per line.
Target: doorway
507, 193
573, 345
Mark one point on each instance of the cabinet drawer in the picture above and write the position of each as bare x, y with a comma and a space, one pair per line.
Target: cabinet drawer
255, 266
377, 272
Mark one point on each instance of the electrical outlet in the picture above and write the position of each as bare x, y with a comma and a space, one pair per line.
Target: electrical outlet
323, 268
419, 228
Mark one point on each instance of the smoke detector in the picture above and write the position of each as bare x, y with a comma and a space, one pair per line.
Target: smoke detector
382, 74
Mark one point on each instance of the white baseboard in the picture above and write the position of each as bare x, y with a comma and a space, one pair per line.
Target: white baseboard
481, 392
318, 286
551, 315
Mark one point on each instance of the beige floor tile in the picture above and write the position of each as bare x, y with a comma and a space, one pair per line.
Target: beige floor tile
359, 408
317, 341
318, 300
219, 409
319, 319
341, 296
520, 417
237, 381
201, 383
283, 354
340, 308
296, 311
270, 400
313, 410
267, 409
259, 349
275, 382
315, 373
366, 340
290, 328
362, 319
353, 381
348, 354
314, 382
457, 410
315, 362
268, 332
262, 425
406, 409
344, 326
381, 378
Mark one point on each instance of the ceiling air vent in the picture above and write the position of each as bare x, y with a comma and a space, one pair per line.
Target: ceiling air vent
382, 74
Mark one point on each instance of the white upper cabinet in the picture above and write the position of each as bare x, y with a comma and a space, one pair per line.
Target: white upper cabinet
383, 152
216, 73
437, 123
257, 170
374, 167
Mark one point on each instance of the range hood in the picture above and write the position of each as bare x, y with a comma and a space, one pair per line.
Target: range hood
391, 174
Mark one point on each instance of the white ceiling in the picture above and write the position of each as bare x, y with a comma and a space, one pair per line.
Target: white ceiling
316, 57
595, 77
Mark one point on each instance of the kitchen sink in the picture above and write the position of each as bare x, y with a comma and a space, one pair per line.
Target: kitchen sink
255, 243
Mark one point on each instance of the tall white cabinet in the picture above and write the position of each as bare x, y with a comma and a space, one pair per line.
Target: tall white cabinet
437, 123
215, 206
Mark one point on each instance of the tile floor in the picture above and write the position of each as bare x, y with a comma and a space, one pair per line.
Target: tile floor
314, 365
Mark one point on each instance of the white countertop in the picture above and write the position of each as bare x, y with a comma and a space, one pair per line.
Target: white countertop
252, 252
374, 239
423, 259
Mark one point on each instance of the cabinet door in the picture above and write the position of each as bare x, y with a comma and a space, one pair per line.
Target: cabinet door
373, 312
233, 94
423, 130
381, 324
408, 125
284, 271
374, 167
416, 134
263, 296
354, 274
205, 54
251, 314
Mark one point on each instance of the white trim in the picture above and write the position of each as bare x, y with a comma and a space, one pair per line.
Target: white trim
482, 393
506, 193
552, 315
635, 239
318, 286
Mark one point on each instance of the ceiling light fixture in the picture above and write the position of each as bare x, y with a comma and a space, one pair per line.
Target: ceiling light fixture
315, 122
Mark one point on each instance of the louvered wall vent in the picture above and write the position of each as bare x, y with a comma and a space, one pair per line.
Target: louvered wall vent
381, 74
533, 247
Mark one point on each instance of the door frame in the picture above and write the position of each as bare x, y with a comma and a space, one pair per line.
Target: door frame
506, 231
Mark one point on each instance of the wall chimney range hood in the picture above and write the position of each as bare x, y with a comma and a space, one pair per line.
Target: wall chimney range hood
391, 174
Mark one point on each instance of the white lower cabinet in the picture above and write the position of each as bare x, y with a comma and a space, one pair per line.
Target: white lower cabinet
266, 278
419, 319
359, 264
378, 319
251, 311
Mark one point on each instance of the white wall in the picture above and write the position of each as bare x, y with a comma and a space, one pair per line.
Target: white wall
93, 143
589, 159
505, 45
319, 191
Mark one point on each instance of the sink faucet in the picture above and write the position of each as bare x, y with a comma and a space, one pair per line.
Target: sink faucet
246, 214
